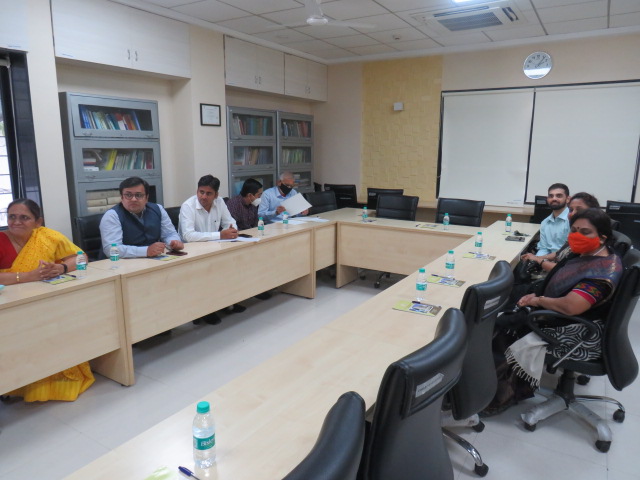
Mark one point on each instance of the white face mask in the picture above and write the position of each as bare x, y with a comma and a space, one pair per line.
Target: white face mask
256, 202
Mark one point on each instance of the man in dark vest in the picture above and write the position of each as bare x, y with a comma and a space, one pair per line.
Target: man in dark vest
138, 227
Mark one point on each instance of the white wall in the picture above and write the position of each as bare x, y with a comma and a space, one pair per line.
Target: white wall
338, 143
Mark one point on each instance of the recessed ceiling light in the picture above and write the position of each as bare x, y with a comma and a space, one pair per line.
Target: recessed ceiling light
462, 1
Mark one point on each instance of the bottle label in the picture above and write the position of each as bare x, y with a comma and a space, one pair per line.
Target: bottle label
81, 266
421, 286
204, 443
478, 244
450, 265
115, 258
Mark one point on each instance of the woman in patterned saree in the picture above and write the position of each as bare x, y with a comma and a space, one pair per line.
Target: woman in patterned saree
30, 252
583, 286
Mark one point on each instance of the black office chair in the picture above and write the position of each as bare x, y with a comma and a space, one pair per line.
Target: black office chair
618, 361
317, 187
461, 211
174, 215
621, 243
405, 439
87, 230
337, 452
478, 382
541, 209
401, 207
372, 195
321, 201
346, 195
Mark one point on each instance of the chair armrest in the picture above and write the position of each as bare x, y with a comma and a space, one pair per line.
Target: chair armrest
552, 318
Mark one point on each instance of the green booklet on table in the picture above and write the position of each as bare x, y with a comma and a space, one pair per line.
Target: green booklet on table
417, 307
479, 256
450, 282
67, 277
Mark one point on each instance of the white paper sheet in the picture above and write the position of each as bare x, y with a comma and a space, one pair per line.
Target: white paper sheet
239, 239
296, 204
312, 219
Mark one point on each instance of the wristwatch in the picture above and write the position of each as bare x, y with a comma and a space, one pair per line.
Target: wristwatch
66, 269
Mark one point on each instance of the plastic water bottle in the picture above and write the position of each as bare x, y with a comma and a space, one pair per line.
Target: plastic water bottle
114, 256
421, 285
445, 221
81, 265
285, 218
365, 214
260, 227
478, 243
450, 264
507, 223
204, 437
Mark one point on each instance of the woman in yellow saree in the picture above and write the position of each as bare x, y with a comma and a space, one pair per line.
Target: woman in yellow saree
30, 252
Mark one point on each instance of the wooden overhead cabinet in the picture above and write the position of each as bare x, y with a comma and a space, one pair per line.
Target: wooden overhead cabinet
248, 65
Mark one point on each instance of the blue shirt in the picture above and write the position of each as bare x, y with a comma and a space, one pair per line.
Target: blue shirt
553, 233
111, 232
271, 199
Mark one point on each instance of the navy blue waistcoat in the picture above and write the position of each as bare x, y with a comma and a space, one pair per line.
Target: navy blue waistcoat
140, 234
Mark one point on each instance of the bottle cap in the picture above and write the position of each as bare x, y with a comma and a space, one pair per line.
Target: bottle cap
259, 218
446, 214
479, 233
450, 252
364, 208
421, 270
203, 407
80, 252
113, 244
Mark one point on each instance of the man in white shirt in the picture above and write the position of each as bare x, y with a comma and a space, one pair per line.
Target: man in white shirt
205, 216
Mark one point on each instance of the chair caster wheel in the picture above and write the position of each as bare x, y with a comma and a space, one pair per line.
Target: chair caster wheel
618, 416
583, 379
603, 446
388, 275
530, 428
479, 427
481, 470
376, 285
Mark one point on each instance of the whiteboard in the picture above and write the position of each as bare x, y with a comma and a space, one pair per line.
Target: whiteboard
587, 138
485, 146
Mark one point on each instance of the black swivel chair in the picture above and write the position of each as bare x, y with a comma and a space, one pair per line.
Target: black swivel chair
337, 452
541, 209
478, 383
618, 361
400, 207
461, 211
372, 195
87, 230
346, 195
317, 187
174, 215
405, 439
321, 201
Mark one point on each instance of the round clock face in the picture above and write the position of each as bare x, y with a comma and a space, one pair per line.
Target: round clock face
537, 65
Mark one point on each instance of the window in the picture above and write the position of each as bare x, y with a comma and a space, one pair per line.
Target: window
18, 161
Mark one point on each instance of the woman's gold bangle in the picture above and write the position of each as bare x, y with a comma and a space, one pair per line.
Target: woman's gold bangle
17, 277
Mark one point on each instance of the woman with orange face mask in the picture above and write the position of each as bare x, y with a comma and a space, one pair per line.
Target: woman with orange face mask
583, 286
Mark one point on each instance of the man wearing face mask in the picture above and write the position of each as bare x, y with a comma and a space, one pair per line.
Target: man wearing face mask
244, 207
270, 208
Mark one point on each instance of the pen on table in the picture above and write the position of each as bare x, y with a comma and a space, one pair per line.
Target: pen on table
188, 472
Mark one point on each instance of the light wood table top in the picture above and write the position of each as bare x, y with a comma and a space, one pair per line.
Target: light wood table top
269, 418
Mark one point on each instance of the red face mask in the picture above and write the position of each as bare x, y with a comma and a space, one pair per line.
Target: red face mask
582, 244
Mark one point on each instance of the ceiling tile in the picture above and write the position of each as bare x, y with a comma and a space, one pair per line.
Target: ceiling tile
264, 6
170, 3
249, 25
423, 44
333, 53
352, 41
387, 21
624, 6
628, 20
573, 12
352, 9
576, 26
211, 10
326, 31
463, 39
372, 50
556, 3
400, 5
285, 35
401, 34
525, 31
288, 17
311, 46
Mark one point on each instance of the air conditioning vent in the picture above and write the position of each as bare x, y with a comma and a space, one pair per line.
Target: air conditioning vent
489, 15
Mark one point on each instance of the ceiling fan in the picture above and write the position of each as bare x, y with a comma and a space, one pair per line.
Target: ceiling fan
315, 18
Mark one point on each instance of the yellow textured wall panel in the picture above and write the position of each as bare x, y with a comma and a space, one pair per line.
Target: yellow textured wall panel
400, 148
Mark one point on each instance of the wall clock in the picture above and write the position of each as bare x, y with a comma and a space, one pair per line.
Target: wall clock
537, 65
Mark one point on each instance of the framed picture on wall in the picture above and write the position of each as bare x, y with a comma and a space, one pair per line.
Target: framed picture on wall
210, 115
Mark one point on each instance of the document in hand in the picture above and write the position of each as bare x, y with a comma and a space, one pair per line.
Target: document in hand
296, 204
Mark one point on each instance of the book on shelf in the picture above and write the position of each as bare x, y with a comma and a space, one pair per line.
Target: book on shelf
97, 194
98, 202
100, 209
113, 200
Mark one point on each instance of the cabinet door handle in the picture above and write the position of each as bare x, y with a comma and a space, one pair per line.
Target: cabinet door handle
136, 55
260, 80
255, 79
128, 54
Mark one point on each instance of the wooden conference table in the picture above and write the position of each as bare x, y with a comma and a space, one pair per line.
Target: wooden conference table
269, 418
